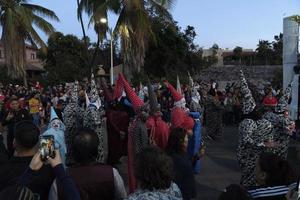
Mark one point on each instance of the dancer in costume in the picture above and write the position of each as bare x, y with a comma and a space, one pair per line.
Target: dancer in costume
117, 127
195, 141
159, 130
93, 120
283, 125
56, 129
71, 122
255, 136
137, 132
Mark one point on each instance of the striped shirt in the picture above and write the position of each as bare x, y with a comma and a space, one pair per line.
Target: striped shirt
274, 192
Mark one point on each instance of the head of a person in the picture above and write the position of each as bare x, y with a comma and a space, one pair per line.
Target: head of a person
153, 169
26, 137
60, 104
178, 141
271, 170
85, 146
14, 104
235, 192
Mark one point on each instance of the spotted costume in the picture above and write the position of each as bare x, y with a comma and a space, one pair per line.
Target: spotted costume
252, 135
283, 125
71, 119
93, 120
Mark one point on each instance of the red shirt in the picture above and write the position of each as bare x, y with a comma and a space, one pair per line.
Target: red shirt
270, 101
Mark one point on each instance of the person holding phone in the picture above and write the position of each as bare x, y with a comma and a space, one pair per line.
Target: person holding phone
14, 115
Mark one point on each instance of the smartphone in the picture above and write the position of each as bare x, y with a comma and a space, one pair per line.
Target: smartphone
47, 147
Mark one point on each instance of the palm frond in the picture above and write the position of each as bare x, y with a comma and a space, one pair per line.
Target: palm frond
41, 11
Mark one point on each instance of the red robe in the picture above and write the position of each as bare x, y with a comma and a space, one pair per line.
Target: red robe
159, 131
117, 121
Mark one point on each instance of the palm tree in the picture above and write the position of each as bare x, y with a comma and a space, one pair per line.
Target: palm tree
237, 52
264, 50
134, 24
18, 20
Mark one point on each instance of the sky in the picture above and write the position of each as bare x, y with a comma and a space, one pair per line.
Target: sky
228, 23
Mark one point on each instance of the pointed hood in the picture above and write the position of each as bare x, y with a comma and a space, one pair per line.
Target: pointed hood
94, 95
53, 114
178, 86
175, 94
134, 99
154, 106
283, 102
248, 100
180, 119
74, 92
107, 93
191, 81
118, 89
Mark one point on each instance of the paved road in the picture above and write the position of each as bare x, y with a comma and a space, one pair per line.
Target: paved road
220, 168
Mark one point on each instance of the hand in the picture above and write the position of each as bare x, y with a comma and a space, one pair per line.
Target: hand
36, 162
56, 161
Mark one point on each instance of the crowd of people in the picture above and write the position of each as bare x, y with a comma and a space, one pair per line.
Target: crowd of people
157, 127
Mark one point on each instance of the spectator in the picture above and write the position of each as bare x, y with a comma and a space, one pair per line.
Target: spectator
235, 192
270, 100
153, 170
34, 105
93, 180
25, 142
183, 169
273, 178
10, 119
67, 183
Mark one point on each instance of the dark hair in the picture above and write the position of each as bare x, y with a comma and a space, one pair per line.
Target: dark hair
235, 192
278, 171
175, 141
26, 134
85, 146
153, 169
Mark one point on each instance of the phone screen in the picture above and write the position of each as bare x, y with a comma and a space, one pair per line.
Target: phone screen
47, 148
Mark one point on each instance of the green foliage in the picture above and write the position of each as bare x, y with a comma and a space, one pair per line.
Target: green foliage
20, 21
65, 59
174, 51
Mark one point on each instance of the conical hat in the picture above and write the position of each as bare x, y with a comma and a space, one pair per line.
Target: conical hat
134, 99
178, 86
154, 106
53, 114
284, 100
248, 100
176, 95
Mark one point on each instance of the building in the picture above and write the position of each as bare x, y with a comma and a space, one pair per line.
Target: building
34, 66
226, 56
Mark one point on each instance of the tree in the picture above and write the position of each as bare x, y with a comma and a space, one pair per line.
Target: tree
19, 21
277, 46
237, 52
133, 25
65, 58
264, 51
